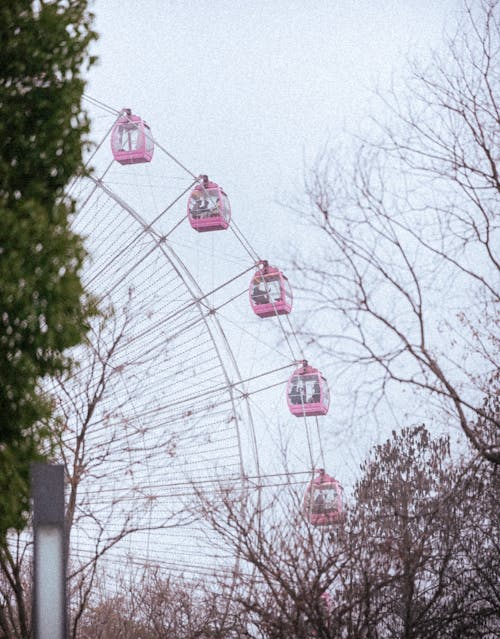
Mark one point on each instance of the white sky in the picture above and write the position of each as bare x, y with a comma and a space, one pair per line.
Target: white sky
243, 90
250, 92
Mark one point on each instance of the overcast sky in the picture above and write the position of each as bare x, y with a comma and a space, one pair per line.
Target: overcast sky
243, 90
249, 92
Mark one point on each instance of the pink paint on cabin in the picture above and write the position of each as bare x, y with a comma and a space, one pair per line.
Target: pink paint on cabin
208, 207
307, 392
323, 500
131, 139
270, 293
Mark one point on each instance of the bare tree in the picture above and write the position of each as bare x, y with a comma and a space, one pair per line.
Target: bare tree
407, 286
414, 513
285, 564
416, 557
477, 562
15, 589
93, 430
153, 606
99, 432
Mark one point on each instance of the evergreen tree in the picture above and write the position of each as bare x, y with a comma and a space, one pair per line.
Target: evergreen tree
44, 309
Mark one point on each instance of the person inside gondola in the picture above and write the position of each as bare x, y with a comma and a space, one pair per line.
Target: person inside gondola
213, 209
259, 293
316, 394
319, 504
296, 394
274, 290
200, 206
210, 207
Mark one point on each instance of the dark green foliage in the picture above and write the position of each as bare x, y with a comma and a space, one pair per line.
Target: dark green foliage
43, 307
42, 125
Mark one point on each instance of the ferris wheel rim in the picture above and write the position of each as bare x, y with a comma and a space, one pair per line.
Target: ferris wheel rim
192, 286
250, 474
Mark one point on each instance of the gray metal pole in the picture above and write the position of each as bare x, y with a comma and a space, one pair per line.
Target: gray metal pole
49, 592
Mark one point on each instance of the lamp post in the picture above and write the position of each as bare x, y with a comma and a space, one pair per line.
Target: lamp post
49, 592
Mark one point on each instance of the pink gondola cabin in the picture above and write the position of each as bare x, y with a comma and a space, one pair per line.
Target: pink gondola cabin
307, 392
131, 139
323, 500
270, 293
208, 207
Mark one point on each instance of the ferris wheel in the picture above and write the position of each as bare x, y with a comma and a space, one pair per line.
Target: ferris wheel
191, 360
